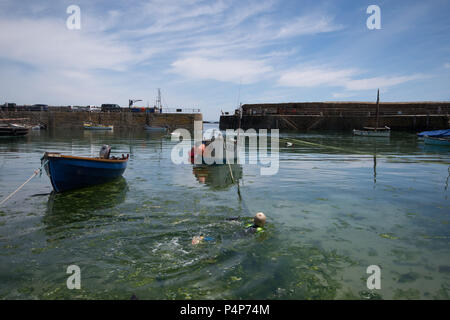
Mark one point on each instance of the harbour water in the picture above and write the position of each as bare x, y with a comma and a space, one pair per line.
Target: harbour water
336, 206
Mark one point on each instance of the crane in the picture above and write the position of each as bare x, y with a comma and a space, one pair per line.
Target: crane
131, 102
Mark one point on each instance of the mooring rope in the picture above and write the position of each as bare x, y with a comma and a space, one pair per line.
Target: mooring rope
322, 145
234, 181
29, 179
241, 200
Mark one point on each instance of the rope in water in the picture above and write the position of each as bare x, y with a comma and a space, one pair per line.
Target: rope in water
322, 145
234, 181
29, 179
244, 205
300, 142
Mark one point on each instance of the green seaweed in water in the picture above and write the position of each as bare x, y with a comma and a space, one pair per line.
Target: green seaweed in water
408, 277
388, 236
370, 295
408, 294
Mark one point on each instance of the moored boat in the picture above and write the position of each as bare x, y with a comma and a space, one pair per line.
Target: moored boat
435, 133
39, 127
214, 150
155, 129
373, 132
73, 172
92, 126
13, 130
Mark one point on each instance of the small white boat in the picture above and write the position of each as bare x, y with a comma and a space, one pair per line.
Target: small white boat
201, 154
373, 132
155, 129
39, 127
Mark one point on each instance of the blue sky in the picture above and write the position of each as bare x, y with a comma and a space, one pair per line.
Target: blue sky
203, 53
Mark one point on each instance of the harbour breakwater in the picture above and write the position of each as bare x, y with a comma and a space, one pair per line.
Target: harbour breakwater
124, 119
341, 116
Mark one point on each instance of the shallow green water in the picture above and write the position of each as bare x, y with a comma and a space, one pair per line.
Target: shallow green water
331, 213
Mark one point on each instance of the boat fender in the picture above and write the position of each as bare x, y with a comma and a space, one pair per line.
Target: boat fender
197, 150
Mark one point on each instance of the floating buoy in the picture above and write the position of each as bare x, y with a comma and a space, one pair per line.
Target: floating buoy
196, 151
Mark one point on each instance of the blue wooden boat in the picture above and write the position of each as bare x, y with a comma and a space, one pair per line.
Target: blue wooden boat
72, 172
442, 141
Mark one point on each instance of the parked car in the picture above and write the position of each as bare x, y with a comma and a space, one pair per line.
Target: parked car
94, 109
80, 108
9, 106
37, 107
110, 107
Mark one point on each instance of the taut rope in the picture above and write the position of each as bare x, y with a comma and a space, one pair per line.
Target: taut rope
29, 179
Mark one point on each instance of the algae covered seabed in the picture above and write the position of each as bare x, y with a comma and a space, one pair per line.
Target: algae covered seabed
332, 212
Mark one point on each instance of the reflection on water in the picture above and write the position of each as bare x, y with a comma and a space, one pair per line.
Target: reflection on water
446, 182
83, 204
374, 170
327, 222
217, 176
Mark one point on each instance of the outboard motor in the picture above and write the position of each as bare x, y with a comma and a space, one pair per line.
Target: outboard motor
105, 151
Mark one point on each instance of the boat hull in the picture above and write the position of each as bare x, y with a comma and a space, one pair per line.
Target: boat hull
437, 141
155, 129
13, 131
201, 154
90, 126
368, 133
68, 173
98, 128
435, 133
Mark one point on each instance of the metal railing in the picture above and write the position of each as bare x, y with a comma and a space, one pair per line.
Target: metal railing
180, 110
85, 109
355, 113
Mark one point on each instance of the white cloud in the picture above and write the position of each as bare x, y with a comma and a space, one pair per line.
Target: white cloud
343, 95
224, 40
309, 24
379, 82
173, 16
317, 76
251, 9
216, 27
47, 43
232, 70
